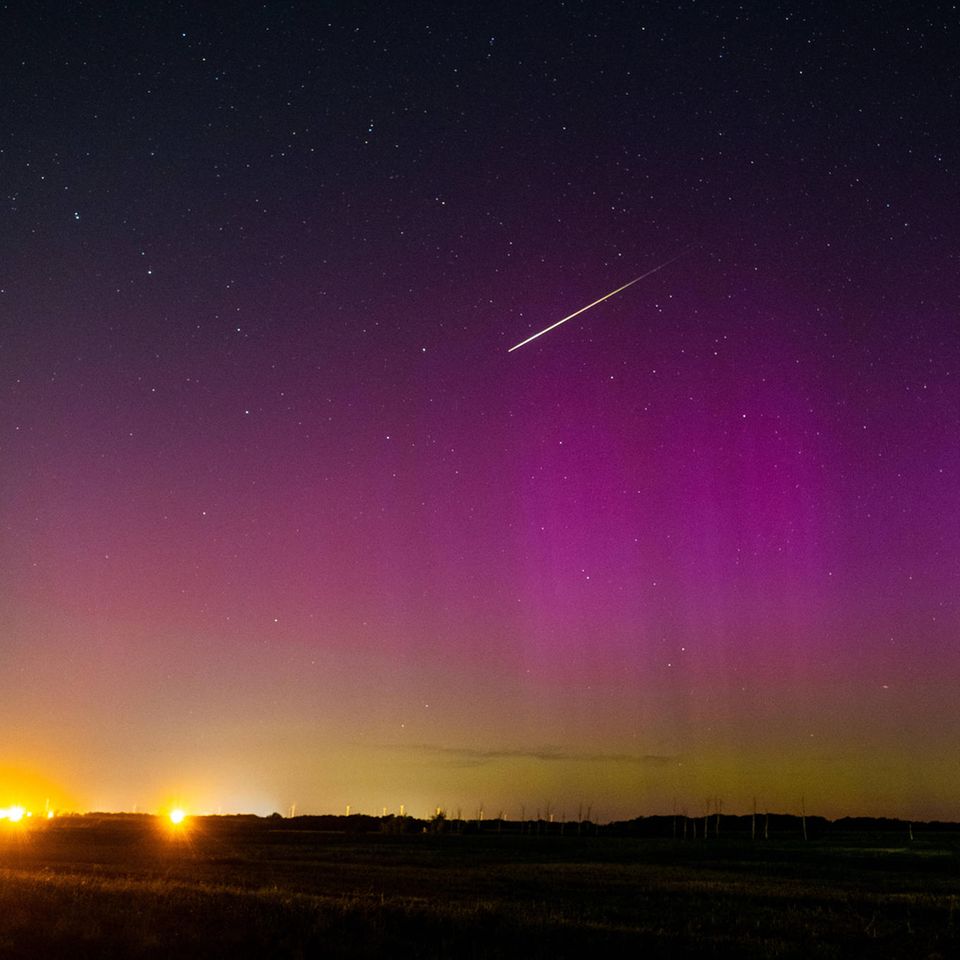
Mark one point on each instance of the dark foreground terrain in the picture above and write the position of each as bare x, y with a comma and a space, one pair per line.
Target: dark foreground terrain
242, 887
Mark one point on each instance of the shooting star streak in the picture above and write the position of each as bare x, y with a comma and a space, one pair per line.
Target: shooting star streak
607, 296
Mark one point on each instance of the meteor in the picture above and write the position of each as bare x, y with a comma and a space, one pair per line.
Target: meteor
606, 296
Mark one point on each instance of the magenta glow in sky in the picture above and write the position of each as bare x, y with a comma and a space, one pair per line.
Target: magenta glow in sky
283, 521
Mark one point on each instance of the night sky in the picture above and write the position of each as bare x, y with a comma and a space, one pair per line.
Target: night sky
281, 519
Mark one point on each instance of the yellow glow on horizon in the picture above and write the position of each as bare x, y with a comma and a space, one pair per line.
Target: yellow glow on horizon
21, 784
14, 814
177, 816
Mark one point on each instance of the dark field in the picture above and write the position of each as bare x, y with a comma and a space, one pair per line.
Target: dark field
235, 887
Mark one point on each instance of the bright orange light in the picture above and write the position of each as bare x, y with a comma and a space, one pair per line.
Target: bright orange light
14, 814
177, 816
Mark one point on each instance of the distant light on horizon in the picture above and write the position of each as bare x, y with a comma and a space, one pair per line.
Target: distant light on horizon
177, 816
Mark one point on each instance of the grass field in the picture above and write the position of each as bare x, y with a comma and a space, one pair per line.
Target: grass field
233, 887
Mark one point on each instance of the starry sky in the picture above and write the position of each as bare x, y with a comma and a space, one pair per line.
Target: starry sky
281, 519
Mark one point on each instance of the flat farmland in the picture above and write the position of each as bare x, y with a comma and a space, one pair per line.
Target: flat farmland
118, 886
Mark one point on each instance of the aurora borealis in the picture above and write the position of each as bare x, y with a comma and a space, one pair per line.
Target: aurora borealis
281, 520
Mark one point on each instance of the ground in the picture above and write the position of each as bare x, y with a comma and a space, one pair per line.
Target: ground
234, 887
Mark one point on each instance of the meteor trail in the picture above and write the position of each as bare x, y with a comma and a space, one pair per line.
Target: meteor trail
607, 296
